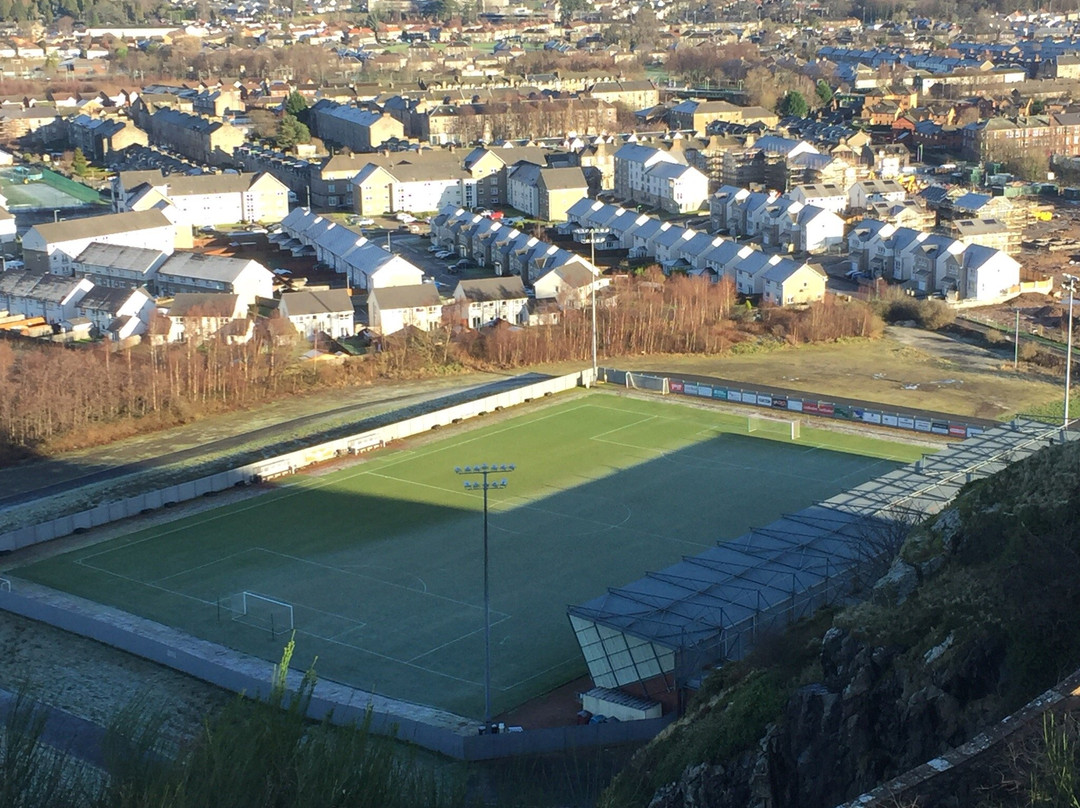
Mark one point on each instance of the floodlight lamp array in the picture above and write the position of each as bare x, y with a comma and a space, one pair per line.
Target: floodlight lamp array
484, 468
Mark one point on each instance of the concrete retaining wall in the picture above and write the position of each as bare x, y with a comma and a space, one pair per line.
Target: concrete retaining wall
243, 674
284, 464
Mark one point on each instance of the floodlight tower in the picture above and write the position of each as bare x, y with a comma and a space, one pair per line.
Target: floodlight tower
483, 470
1070, 284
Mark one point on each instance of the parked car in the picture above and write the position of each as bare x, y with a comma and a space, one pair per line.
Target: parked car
435, 248
444, 254
365, 222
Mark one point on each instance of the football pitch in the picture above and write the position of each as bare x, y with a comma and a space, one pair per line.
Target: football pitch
378, 566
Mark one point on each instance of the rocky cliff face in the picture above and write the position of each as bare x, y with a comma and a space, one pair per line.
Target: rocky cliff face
870, 718
976, 618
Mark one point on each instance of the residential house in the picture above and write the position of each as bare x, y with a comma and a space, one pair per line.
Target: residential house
990, 233
117, 312
829, 196
201, 316
868, 249
8, 233
100, 139
863, 193
202, 140
750, 271
569, 284
789, 283
545, 193
988, 274
362, 130
724, 206
118, 266
697, 115
674, 188
328, 312
34, 294
54, 246
365, 264
205, 199
481, 302
197, 273
392, 308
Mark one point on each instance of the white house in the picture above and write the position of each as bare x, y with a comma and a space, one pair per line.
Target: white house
185, 272
53, 297
569, 284
118, 312
862, 194
675, 188
988, 273
53, 247
366, 264
485, 300
206, 199
7, 227
200, 316
118, 266
329, 312
392, 308
815, 229
828, 196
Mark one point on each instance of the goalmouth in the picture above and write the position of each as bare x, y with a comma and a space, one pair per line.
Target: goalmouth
261, 612
777, 428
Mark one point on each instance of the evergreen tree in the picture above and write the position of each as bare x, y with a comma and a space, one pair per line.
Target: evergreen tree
295, 104
793, 103
291, 132
78, 163
824, 91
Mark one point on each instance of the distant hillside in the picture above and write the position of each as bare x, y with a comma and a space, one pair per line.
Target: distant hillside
977, 617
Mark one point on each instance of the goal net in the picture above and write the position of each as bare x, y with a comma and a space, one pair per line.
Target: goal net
777, 428
259, 611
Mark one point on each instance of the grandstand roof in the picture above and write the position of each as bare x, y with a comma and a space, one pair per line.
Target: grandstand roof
712, 604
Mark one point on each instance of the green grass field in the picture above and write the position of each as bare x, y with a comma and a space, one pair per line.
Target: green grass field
382, 561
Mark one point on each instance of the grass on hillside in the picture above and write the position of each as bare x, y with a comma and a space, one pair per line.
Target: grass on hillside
875, 370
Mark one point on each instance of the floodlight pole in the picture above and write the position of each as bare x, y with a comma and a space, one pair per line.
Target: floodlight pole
1070, 284
484, 469
592, 286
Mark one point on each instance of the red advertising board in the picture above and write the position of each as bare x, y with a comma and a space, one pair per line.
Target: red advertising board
825, 409
810, 406
958, 430
674, 386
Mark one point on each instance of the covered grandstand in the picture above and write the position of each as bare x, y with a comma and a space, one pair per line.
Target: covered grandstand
662, 630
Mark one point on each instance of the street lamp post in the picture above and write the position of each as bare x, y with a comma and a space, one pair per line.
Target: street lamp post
1070, 284
483, 470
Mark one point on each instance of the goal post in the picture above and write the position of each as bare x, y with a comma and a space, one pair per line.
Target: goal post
780, 428
259, 611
